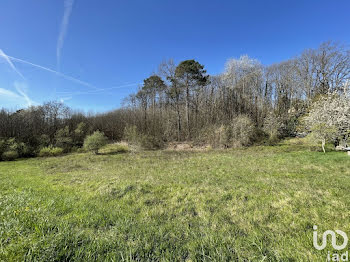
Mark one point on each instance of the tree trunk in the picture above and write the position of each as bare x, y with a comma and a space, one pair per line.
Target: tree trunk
188, 112
178, 123
323, 145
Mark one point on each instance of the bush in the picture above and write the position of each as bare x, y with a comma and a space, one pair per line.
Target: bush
25, 150
271, 141
242, 131
151, 142
216, 137
95, 141
133, 137
271, 125
9, 155
81, 150
63, 139
115, 148
12, 145
79, 134
279, 127
51, 151
44, 141
122, 148
3, 146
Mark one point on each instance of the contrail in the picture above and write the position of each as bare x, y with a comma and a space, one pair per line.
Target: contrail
68, 6
20, 87
10, 63
99, 90
70, 78
49, 70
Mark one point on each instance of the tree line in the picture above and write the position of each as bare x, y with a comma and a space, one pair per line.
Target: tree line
182, 102
247, 103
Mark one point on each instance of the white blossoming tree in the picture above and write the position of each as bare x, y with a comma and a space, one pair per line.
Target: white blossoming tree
329, 117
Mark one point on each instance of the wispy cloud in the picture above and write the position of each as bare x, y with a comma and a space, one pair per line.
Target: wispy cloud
69, 94
8, 60
22, 89
20, 99
73, 79
100, 90
63, 99
68, 6
8, 93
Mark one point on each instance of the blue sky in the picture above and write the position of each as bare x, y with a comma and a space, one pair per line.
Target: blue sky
103, 49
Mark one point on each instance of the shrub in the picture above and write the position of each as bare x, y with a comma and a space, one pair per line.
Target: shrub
51, 151
131, 135
79, 134
24, 150
215, 136
278, 127
45, 151
81, 150
95, 141
218, 137
146, 141
151, 142
63, 139
271, 125
9, 155
242, 131
44, 140
122, 148
12, 145
272, 140
3, 146
115, 148
56, 151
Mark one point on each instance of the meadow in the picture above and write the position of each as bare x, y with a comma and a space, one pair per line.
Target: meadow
250, 204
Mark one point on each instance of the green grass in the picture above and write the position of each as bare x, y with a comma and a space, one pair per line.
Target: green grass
255, 204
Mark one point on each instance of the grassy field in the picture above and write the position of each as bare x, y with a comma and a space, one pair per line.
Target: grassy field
254, 204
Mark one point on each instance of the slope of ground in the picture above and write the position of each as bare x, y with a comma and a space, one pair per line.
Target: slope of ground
256, 204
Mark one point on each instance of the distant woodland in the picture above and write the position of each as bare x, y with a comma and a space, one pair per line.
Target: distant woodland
248, 103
